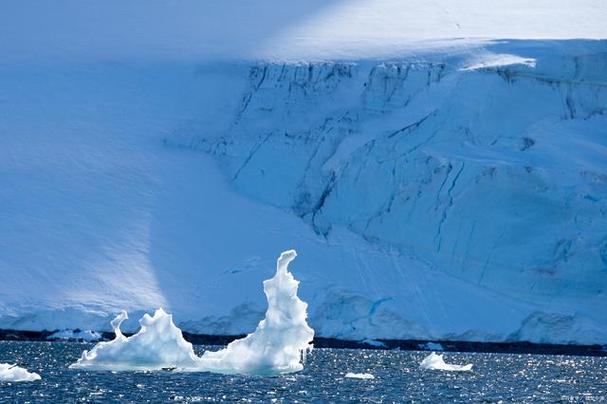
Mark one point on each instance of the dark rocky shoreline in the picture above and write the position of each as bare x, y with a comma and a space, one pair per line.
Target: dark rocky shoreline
407, 345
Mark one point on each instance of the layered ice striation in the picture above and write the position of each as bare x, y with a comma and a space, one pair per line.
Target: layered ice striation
280, 340
14, 373
492, 174
489, 168
277, 346
436, 362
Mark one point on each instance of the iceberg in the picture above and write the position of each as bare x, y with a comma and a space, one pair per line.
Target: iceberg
281, 340
159, 344
277, 346
14, 373
435, 362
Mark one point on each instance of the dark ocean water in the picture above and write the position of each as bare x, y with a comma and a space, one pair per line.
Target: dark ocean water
495, 377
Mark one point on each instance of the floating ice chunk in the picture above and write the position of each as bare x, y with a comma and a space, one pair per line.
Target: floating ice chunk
436, 362
281, 339
366, 376
159, 344
13, 373
277, 346
80, 335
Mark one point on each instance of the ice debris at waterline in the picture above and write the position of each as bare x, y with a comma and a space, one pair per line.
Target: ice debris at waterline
364, 376
280, 340
431, 346
75, 335
13, 373
277, 346
159, 344
436, 362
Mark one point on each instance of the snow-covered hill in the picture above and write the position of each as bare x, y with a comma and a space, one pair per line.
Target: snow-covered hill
437, 180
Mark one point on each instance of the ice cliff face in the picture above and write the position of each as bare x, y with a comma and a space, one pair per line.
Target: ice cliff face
452, 194
495, 173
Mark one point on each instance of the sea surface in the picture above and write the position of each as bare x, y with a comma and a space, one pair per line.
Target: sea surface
397, 378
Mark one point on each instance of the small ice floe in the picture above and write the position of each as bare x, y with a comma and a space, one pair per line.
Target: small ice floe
277, 346
431, 346
77, 335
435, 362
374, 343
13, 373
364, 376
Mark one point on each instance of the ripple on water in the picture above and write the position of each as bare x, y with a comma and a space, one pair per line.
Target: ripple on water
397, 377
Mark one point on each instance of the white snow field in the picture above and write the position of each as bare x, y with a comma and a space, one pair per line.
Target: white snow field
277, 346
436, 362
14, 373
309, 30
441, 167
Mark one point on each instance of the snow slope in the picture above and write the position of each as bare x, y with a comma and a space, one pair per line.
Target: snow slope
272, 29
438, 180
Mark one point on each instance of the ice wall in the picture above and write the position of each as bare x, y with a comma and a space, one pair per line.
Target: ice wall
493, 173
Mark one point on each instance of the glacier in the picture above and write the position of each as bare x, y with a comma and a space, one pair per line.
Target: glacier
444, 178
